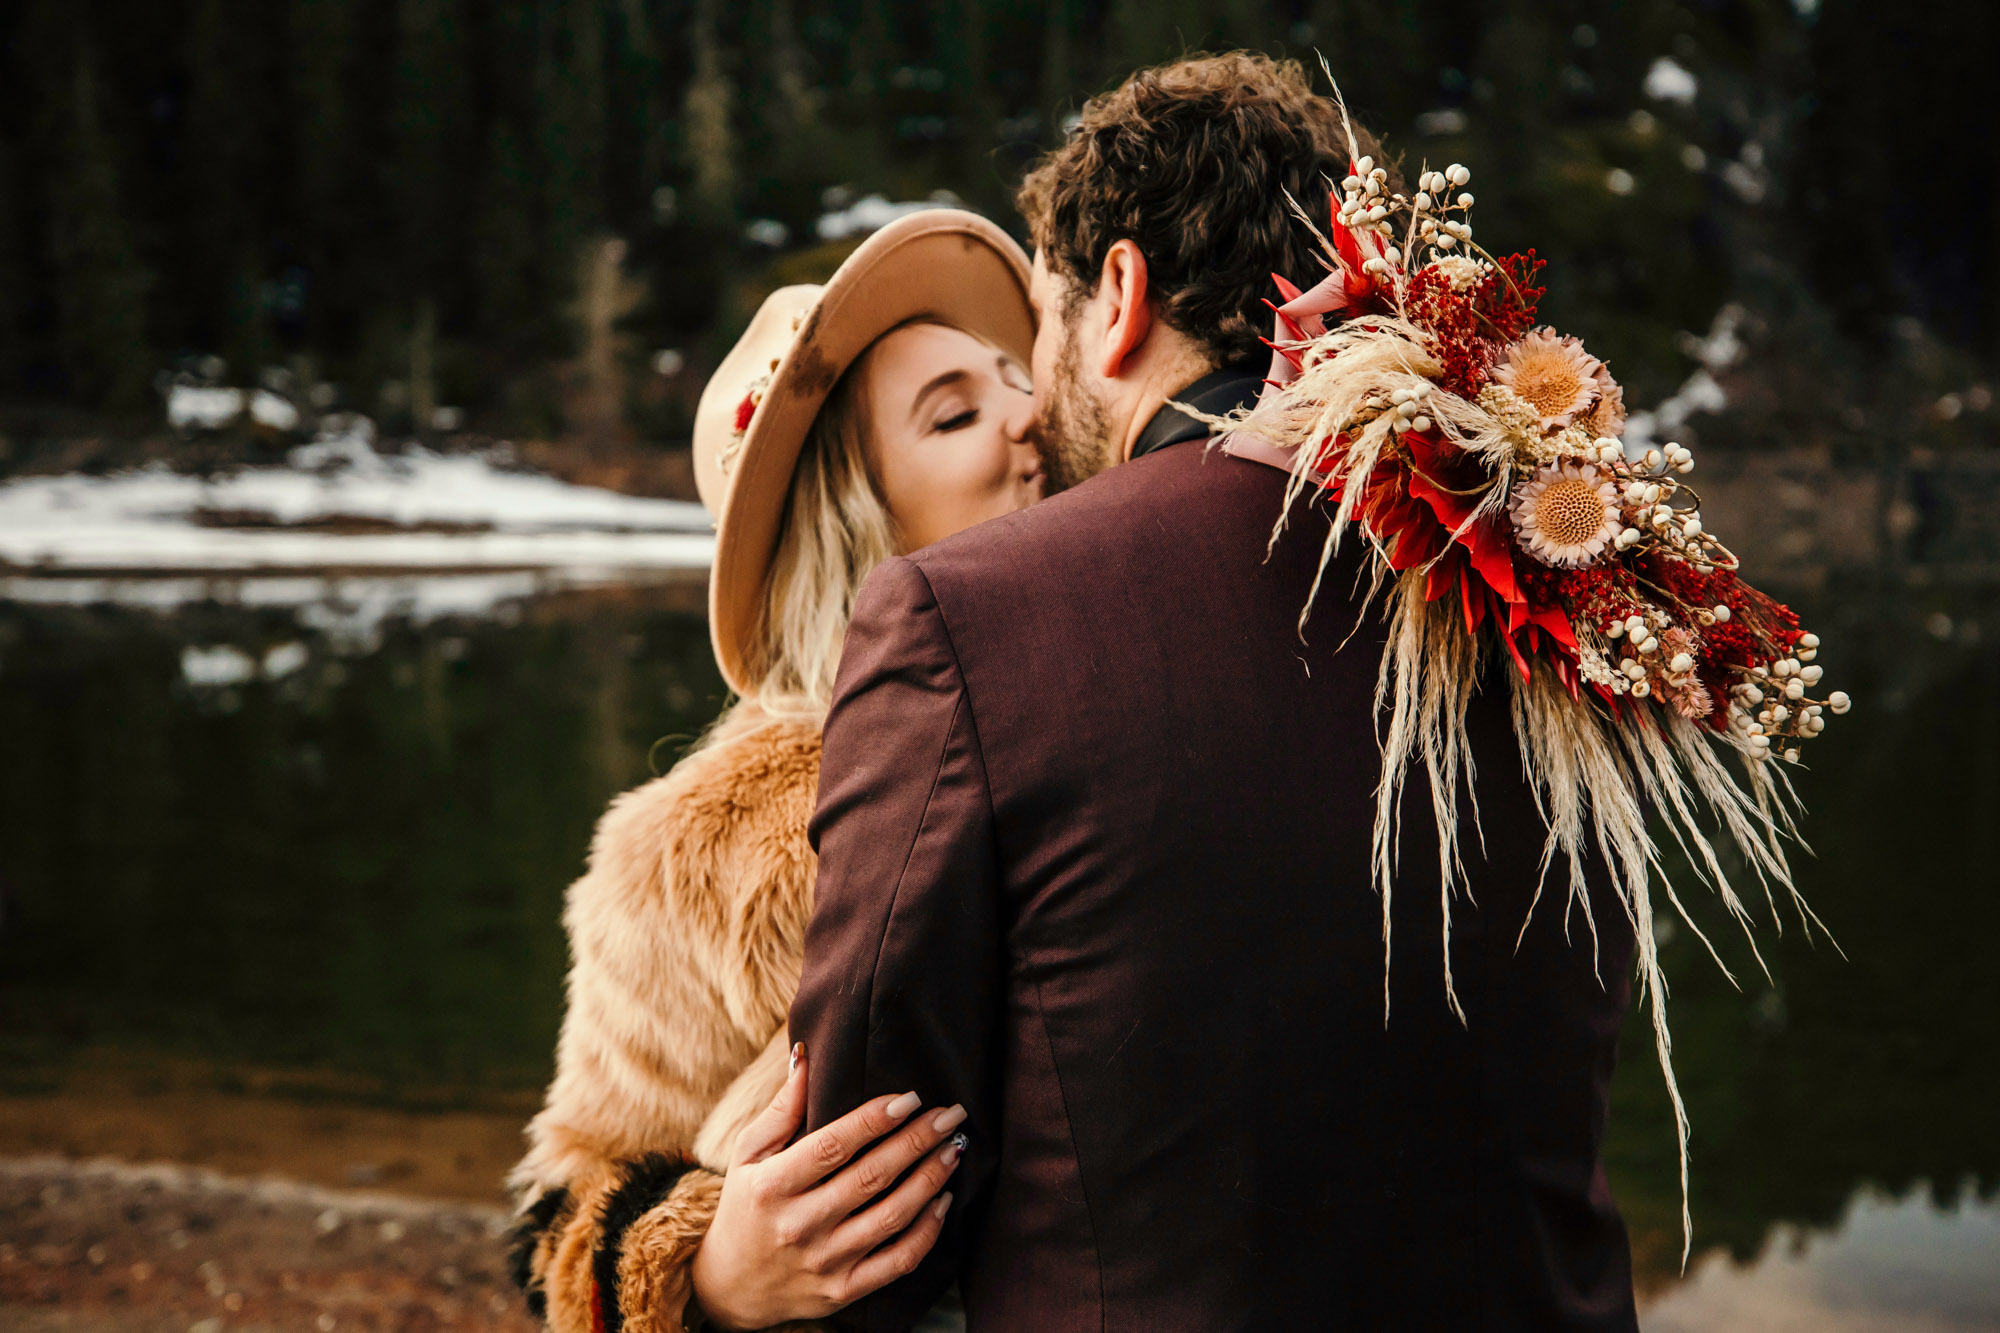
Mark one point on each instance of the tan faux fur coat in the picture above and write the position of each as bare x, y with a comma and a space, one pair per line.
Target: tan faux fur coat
685, 936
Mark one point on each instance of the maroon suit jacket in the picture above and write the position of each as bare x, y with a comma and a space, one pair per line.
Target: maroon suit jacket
1093, 831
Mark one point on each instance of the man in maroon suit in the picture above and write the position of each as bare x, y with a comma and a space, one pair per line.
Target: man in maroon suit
1094, 832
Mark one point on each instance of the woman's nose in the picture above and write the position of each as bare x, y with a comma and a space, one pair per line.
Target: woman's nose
1020, 421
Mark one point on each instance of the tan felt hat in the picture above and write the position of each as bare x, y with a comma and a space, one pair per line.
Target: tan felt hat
759, 405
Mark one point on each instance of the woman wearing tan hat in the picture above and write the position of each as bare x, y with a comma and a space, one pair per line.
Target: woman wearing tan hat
851, 422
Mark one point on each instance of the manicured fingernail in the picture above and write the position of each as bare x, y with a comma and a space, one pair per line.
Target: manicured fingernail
953, 1150
948, 1119
798, 1053
903, 1105
944, 1202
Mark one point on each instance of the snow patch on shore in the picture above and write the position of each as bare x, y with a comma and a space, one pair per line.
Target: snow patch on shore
424, 511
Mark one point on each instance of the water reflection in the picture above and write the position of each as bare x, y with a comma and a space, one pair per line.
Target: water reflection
330, 837
1909, 1265
354, 863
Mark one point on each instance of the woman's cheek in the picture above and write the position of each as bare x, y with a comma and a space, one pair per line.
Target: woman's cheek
947, 493
967, 478
1000, 467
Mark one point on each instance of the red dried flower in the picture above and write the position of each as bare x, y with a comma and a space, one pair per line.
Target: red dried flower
1508, 299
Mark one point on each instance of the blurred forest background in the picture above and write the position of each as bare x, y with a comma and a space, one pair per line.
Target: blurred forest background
543, 219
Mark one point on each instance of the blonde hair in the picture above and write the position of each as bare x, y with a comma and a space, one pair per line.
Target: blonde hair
834, 530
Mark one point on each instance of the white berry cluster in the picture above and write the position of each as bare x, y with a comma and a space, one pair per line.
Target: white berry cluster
1370, 207
1777, 705
1433, 204
1649, 511
1645, 634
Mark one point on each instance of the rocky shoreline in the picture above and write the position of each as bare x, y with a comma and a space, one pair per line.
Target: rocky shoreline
97, 1246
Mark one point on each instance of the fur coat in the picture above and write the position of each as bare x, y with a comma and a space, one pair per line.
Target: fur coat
685, 933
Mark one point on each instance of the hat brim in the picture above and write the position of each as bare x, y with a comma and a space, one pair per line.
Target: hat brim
946, 264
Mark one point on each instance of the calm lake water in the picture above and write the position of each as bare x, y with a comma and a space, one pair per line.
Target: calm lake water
332, 842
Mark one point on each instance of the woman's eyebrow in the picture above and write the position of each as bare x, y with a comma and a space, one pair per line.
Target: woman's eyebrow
944, 381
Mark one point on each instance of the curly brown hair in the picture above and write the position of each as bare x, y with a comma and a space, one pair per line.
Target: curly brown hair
1188, 161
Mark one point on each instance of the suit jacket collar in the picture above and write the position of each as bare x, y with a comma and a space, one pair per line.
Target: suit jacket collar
1219, 391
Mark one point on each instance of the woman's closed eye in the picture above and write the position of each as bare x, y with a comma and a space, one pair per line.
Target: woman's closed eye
957, 421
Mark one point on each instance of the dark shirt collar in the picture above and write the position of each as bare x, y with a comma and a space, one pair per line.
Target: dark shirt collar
1219, 391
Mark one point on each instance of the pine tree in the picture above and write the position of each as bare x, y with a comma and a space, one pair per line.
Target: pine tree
320, 52
433, 160
509, 308
571, 118
707, 108
433, 130
962, 53
569, 92
100, 285
13, 275
639, 139
228, 168
785, 63
872, 48
1061, 90
789, 154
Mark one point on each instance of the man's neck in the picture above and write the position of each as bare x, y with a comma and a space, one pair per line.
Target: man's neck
1156, 390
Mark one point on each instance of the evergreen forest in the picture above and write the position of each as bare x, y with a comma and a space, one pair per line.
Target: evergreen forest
545, 219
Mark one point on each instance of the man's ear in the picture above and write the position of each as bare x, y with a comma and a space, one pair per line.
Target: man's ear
1121, 284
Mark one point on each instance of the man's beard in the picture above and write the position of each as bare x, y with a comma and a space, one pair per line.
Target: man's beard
1073, 428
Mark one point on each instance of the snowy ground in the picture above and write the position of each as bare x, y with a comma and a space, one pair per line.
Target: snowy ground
338, 505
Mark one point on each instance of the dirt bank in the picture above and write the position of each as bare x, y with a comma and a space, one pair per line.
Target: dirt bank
91, 1247
458, 1155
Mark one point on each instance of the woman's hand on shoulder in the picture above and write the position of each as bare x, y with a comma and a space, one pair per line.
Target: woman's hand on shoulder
801, 1231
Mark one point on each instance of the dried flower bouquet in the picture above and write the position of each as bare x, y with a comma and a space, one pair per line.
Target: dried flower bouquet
1481, 460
